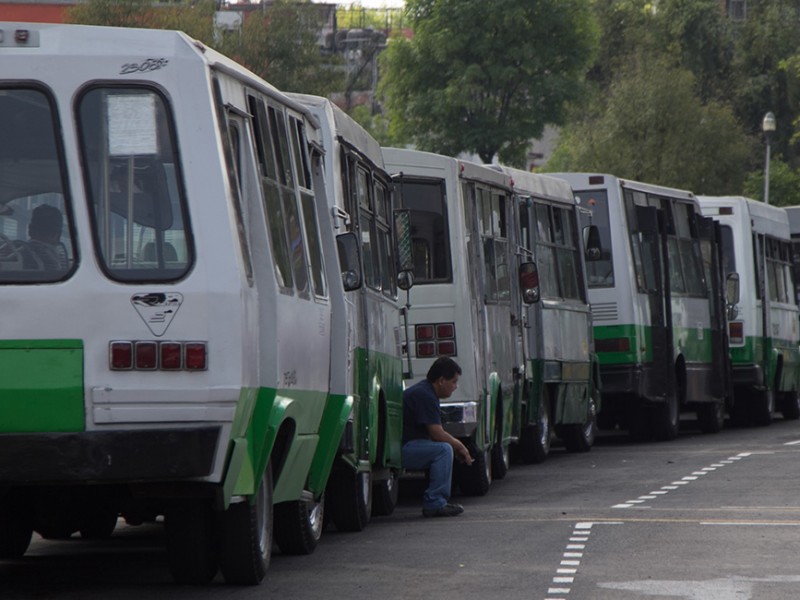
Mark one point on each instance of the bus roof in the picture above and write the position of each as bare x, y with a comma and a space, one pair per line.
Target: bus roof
543, 186
765, 218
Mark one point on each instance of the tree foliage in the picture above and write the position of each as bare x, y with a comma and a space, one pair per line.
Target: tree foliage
278, 44
654, 128
485, 76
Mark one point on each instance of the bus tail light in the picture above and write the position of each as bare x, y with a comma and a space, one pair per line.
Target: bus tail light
147, 355
736, 332
436, 339
613, 345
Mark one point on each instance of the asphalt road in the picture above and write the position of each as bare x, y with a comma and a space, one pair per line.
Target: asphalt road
704, 517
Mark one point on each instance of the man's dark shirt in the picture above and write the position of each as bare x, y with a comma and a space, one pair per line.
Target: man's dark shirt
420, 409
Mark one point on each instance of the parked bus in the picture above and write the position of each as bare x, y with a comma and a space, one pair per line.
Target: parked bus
368, 367
763, 334
170, 353
562, 379
465, 300
657, 301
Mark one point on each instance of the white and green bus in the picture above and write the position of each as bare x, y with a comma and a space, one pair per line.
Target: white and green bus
659, 313
562, 379
793, 213
368, 367
171, 352
465, 301
763, 333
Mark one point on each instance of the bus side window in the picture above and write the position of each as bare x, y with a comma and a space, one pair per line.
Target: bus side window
271, 191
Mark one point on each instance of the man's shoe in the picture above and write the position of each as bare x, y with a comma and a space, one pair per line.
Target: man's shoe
448, 510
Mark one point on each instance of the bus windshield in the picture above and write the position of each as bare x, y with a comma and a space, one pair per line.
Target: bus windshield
36, 245
599, 273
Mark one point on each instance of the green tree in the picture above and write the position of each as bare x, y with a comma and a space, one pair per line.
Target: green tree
280, 45
654, 128
486, 76
194, 18
784, 184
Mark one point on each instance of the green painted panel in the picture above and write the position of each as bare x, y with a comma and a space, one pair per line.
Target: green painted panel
42, 386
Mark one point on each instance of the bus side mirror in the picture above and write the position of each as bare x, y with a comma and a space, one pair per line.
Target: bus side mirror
591, 243
529, 282
404, 249
349, 261
732, 295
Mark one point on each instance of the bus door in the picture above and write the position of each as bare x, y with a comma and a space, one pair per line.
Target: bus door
710, 233
650, 251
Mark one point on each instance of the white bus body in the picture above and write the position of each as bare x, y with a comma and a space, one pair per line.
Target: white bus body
561, 373
464, 301
763, 335
656, 301
178, 361
368, 367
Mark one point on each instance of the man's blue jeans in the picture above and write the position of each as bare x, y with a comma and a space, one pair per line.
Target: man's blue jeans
437, 458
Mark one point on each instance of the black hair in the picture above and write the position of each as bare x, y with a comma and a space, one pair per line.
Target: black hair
45, 220
443, 366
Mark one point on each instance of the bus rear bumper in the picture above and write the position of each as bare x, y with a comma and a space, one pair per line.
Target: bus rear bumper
460, 419
108, 456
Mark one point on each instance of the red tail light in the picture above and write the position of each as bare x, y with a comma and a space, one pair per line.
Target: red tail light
736, 332
196, 356
436, 339
613, 345
121, 356
148, 355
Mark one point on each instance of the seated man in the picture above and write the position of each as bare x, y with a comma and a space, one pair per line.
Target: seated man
426, 445
44, 233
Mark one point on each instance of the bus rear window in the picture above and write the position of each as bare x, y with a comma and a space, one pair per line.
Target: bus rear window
429, 230
599, 273
132, 176
36, 245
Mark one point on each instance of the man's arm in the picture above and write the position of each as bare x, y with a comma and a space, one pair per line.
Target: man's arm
438, 434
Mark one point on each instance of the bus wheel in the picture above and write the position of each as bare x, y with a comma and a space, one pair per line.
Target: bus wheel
384, 495
579, 437
298, 525
711, 416
790, 405
761, 407
189, 533
16, 526
666, 419
534, 442
475, 479
350, 498
245, 536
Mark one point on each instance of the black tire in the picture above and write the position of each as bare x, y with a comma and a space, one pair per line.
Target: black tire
298, 525
579, 437
189, 531
474, 479
638, 422
790, 405
711, 416
16, 526
760, 407
384, 495
245, 536
534, 441
666, 419
349, 497
99, 525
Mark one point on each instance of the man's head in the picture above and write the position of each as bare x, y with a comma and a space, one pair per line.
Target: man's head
46, 224
443, 376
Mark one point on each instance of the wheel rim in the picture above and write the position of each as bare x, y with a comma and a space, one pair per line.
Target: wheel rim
316, 516
591, 421
544, 429
262, 517
366, 485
